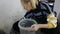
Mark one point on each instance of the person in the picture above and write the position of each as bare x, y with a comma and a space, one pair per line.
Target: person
34, 11
47, 21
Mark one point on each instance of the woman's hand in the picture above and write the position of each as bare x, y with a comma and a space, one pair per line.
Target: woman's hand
35, 27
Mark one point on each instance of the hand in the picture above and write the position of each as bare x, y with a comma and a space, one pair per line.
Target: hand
35, 27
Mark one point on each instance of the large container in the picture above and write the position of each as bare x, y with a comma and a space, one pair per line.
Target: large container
25, 25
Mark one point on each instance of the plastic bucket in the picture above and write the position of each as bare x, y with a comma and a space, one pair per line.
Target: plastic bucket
25, 25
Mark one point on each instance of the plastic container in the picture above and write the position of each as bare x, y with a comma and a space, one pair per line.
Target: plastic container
25, 25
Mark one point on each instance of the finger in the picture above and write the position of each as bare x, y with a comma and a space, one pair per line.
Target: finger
32, 28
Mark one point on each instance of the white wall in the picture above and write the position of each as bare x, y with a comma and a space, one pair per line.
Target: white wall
10, 11
57, 6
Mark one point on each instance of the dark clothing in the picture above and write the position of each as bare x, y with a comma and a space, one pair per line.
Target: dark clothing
39, 14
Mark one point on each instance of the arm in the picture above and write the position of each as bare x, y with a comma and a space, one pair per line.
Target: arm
52, 23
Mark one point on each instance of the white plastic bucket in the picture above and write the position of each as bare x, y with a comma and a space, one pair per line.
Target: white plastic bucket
26, 30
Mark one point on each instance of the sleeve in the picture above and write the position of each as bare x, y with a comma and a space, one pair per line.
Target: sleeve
52, 20
28, 15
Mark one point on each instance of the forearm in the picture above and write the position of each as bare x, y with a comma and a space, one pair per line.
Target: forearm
43, 25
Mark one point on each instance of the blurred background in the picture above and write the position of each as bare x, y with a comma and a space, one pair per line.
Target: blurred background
12, 10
